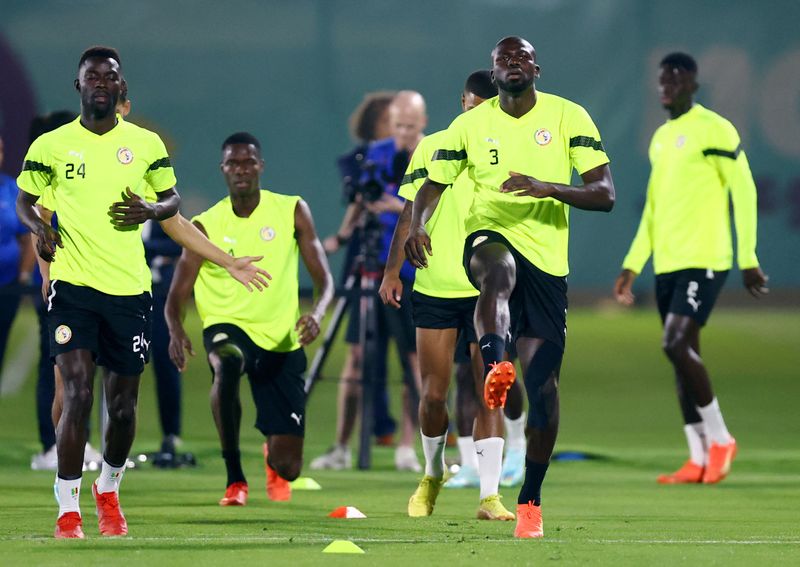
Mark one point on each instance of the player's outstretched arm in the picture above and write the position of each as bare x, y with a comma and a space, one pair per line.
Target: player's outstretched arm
418, 243
175, 309
192, 236
596, 194
317, 264
391, 289
47, 238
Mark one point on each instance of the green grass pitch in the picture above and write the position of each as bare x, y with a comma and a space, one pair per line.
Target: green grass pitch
617, 401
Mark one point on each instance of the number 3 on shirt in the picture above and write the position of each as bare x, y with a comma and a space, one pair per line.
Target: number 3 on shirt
493, 153
71, 171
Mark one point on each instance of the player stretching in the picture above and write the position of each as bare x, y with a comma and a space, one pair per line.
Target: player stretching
262, 334
697, 162
99, 302
444, 305
520, 149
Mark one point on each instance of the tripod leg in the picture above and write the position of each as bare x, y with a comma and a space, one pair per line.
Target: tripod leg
313, 375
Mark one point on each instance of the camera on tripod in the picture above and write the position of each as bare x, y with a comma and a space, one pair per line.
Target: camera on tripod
368, 188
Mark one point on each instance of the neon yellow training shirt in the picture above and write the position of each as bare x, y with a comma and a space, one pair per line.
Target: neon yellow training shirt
553, 138
268, 317
445, 276
696, 163
87, 173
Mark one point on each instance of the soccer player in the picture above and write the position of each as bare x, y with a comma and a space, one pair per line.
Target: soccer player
520, 150
443, 302
99, 302
261, 335
697, 165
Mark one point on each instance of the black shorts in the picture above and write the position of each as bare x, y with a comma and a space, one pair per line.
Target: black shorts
395, 323
690, 292
276, 380
538, 303
117, 329
447, 313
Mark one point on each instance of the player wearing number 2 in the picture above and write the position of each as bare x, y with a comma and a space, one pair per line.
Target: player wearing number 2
99, 303
697, 166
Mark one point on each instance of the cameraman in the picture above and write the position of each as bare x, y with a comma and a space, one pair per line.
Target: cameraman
382, 166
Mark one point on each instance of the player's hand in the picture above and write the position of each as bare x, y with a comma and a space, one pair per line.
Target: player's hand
622, 288
131, 211
755, 281
308, 328
391, 290
47, 238
248, 274
45, 289
526, 186
179, 345
416, 246
331, 244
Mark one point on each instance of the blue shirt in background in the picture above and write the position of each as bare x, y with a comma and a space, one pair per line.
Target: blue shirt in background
383, 154
10, 229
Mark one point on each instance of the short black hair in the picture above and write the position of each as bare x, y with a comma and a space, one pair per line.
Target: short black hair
45, 123
679, 60
480, 84
102, 51
241, 138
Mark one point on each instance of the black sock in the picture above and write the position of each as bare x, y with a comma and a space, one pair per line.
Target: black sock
493, 348
531, 490
233, 464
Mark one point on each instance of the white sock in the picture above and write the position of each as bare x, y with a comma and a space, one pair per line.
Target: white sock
433, 448
716, 432
466, 449
490, 463
109, 478
515, 432
696, 438
68, 494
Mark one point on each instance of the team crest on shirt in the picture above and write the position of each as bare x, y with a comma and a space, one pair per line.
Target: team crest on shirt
63, 334
680, 141
267, 233
543, 136
125, 156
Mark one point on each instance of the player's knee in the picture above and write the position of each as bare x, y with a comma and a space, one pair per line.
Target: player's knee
499, 279
122, 413
287, 468
227, 361
675, 345
543, 405
77, 401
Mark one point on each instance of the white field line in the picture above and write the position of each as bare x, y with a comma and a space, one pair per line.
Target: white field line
325, 540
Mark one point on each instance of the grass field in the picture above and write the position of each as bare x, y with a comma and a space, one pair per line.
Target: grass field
617, 402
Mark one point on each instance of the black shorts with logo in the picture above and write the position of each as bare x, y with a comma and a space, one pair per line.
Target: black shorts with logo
538, 303
691, 292
276, 380
117, 329
447, 313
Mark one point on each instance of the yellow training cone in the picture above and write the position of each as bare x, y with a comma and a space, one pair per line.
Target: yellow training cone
305, 483
342, 546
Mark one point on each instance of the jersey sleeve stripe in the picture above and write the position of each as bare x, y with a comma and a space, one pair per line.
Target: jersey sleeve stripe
722, 153
163, 162
29, 165
450, 155
586, 141
419, 173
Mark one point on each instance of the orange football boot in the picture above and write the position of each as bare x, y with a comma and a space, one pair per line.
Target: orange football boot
529, 521
109, 514
235, 495
720, 458
498, 381
278, 488
689, 473
69, 526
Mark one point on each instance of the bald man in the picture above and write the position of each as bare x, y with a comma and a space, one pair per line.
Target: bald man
384, 163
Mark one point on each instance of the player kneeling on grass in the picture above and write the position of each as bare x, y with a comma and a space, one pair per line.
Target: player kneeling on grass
262, 337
